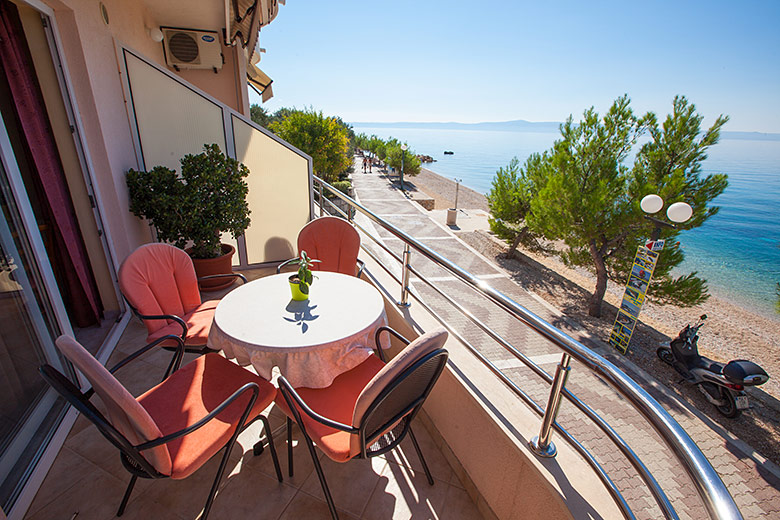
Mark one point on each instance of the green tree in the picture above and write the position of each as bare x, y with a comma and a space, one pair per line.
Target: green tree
361, 141
387, 149
323, 138
259, 115
350, 133
282, 113
670, 165
582, 193
509, 200
375, 144
394, 154
381, 150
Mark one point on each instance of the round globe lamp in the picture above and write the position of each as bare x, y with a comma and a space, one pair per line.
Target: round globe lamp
679, 212
651, 204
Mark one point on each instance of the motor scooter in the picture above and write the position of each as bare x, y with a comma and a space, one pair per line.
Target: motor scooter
723, 386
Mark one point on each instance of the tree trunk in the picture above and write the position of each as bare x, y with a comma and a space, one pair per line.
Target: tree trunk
515, 243
594, 305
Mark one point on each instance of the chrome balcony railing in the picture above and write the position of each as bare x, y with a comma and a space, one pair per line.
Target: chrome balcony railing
719, 503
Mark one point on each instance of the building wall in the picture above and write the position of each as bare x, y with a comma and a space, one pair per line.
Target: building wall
89, 50
47, 79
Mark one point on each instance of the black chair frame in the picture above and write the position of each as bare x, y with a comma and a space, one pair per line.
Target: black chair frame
194, 349
130, 455
387, 432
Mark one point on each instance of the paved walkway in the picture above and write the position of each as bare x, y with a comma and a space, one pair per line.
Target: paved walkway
753, 482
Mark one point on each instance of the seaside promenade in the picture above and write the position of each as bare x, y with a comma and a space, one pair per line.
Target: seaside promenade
753, 481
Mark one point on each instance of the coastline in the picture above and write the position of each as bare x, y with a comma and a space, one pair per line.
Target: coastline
732, 331
442, 190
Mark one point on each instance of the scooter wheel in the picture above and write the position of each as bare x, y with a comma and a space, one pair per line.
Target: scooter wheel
665, 355
729, 406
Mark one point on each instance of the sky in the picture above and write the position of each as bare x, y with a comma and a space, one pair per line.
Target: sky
467, 61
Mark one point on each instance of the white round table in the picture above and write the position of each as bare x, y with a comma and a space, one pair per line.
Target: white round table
312, 341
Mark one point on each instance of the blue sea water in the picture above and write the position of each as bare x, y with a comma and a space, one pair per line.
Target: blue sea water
737, 251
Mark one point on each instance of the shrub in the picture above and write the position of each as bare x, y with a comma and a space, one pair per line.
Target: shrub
208, 198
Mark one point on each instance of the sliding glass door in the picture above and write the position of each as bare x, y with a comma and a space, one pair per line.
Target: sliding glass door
29, 409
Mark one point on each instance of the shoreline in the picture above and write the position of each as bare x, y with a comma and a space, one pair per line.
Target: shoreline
442, 190
733, 330
437, 182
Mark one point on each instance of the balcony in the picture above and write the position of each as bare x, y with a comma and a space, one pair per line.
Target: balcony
476, 426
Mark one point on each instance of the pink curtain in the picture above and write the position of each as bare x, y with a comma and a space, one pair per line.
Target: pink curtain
67, 251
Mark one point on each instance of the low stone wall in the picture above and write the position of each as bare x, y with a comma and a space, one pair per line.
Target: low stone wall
342, 205
423, 200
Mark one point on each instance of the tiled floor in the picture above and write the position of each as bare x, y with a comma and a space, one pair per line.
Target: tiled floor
88, 479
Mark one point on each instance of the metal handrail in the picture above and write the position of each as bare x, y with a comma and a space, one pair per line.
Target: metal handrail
719, 503
644, 473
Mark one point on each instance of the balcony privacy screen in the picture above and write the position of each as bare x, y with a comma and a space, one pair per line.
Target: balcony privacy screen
276, 219
173, 118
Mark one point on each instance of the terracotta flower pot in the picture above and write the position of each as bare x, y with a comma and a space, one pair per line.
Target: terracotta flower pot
219, 265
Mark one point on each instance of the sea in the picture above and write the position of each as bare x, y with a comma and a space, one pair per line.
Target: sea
737, 251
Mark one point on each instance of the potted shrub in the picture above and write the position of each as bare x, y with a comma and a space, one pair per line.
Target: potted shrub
301, 280
192, 209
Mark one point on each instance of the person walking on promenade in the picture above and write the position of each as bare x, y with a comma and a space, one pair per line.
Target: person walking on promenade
364, 164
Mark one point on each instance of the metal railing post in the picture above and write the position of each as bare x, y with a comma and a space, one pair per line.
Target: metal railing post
322, 202
405, 273
541, 444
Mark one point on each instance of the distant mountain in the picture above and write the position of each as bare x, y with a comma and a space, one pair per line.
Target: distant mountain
518, 125
751, 136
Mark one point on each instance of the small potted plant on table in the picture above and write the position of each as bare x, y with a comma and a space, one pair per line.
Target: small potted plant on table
194, 208
301, 280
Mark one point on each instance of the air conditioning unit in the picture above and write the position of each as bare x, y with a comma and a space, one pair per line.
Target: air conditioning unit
191, 49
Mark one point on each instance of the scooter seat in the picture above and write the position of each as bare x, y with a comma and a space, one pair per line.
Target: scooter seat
709, 365
743, 372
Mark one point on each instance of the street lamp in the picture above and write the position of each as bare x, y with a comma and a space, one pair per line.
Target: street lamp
642, 269
403, 156
678, 212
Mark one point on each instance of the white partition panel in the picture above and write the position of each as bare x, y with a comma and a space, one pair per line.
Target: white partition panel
172, 119
279, 193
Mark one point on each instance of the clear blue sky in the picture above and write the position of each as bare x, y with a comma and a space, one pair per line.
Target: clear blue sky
467, 61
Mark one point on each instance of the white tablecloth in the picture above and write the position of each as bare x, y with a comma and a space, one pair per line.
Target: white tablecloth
312, 341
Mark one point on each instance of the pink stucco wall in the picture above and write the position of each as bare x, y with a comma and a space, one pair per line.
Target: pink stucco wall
89, 48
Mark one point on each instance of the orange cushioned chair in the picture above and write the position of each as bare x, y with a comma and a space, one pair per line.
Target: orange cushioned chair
334, 242
158, 281
174, 428
368, 410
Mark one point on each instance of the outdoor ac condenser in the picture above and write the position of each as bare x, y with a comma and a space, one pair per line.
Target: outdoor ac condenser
191, 49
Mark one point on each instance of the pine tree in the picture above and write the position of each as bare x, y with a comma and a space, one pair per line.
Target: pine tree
582, 193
